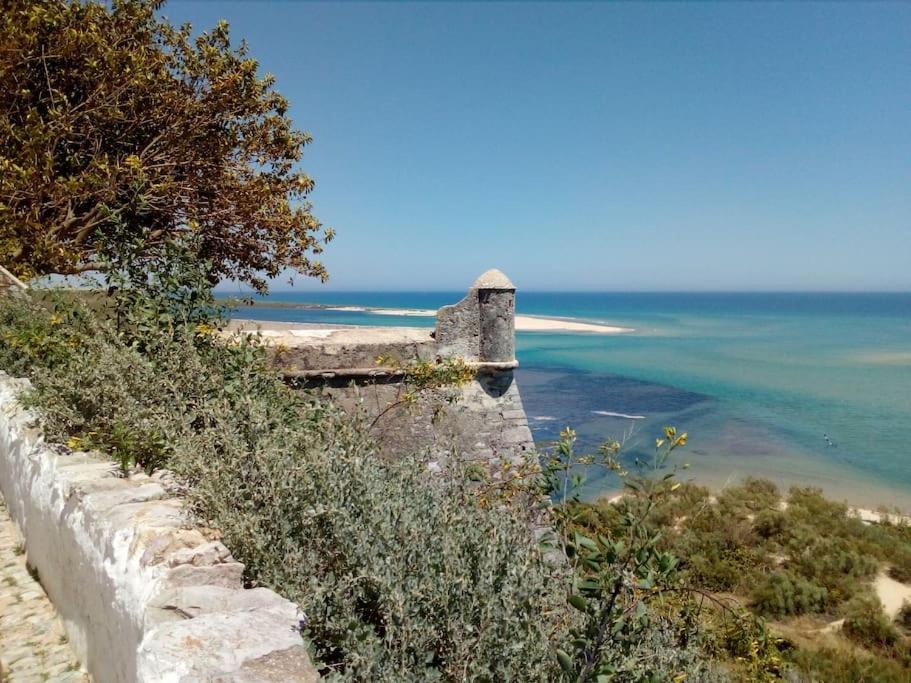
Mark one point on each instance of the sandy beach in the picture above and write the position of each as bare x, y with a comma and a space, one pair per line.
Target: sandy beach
524, 323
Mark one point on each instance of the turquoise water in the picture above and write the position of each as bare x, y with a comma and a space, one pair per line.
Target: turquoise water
803, 388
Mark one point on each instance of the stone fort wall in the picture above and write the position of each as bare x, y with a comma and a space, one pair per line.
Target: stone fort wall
483, 419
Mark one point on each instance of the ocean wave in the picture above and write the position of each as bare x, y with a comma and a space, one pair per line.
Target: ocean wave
543, 418
608, 413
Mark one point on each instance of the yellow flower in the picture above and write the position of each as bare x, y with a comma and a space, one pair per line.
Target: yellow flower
204, 330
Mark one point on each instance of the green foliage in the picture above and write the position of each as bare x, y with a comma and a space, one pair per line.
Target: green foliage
116, 126
97, 387
41, 336
866, 623
402, 575
904, 616
436, 383
736, 543
835, 665
635, 621
784, 593
900, 569
442, 373
175, 294
753, 495
808, 557
744, 643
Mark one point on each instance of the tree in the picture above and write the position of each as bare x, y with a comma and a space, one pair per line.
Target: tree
117, 127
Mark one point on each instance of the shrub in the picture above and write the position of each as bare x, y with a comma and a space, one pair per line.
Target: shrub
783, 593
753, 494
662, 653
834, 563
901, 565
402, 575
904, 616
837, 665
36, 336
717, 566
770, 524
867, 624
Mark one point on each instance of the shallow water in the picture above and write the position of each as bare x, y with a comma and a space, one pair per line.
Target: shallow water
802, 388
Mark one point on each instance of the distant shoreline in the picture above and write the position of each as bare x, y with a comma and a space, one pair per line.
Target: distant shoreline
870, 501
524, 323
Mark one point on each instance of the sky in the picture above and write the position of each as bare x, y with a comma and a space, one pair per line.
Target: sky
613, 147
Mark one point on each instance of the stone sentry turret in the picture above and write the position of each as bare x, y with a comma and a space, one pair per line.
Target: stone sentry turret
487, 421
482, 326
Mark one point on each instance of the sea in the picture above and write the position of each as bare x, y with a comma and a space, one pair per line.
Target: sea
806, 389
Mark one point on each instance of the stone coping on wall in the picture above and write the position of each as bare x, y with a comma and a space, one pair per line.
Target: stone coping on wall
300, 349
143, 593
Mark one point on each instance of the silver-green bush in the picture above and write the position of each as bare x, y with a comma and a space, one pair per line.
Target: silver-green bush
402, 575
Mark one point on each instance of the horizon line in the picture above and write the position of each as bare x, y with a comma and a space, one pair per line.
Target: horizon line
217, 290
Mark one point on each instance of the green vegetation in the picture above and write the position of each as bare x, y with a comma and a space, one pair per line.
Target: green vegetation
841, 665
904, 617
116, 127
169, 163
866, 624
404, 575
800, 561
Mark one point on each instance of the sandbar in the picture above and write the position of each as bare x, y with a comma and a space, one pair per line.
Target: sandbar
524, 323
533, 323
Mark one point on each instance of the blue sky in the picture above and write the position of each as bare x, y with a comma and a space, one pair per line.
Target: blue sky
711, 146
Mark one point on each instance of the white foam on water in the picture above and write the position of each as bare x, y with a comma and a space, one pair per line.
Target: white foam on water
608, 413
